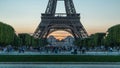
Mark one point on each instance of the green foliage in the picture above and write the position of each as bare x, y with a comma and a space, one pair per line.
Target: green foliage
7, 34
111, 39
97, 38
93, 40
17, 41
113, 36
43, 42
27, 39
31, 41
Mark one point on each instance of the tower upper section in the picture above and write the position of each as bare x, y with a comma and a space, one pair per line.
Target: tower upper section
69, 7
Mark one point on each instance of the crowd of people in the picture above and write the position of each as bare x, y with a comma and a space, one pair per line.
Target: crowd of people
59, 49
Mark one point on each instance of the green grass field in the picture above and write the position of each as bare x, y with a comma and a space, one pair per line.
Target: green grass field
58, 58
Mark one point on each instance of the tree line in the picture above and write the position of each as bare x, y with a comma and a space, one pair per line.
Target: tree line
110, 38
9, 37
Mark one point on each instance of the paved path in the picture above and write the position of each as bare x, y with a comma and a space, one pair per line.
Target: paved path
61, 53
59, 66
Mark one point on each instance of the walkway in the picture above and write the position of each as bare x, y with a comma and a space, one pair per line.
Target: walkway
59, 65
61, 53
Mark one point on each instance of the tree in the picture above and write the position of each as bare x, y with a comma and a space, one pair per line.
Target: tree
42, 42
113, 36
26, 39
97, 39
17, 41
82, 42
93, 40
7, 34
31, 41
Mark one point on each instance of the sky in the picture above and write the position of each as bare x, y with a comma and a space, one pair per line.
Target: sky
25, 15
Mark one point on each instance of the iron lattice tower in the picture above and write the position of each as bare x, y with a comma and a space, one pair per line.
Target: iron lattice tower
69, 21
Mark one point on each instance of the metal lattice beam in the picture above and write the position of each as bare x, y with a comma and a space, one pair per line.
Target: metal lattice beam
51, 21
69, 6
51, 7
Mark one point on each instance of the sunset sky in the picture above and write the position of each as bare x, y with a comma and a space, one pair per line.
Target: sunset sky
24, 15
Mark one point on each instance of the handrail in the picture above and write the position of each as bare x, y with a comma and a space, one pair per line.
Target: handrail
60, 14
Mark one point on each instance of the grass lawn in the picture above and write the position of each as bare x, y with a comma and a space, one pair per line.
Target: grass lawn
58, 58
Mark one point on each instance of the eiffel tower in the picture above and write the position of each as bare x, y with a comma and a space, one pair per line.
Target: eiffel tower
52, 21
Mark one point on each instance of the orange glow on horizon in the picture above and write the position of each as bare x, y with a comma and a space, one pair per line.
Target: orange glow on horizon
60, 34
